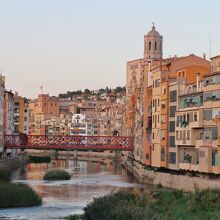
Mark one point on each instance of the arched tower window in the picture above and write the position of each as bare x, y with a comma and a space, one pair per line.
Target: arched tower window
155, 45
150, 45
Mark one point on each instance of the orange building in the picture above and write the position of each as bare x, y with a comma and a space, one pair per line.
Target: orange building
44, 107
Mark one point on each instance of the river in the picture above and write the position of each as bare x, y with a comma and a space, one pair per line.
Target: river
62, 198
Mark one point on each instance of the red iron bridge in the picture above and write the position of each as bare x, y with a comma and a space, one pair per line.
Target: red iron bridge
59, 142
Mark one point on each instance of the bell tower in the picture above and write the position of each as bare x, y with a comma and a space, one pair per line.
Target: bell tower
153, 45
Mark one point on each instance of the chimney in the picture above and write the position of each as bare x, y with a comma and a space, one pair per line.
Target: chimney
204, 56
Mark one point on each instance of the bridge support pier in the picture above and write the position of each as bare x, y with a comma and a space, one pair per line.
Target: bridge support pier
75, 155
56, 154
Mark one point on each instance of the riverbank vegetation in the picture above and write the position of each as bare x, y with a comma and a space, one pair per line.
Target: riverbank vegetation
39, 159
18, 195
162, 204
5, 175
57, 174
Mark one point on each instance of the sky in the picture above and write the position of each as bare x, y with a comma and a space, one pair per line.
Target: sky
66, 45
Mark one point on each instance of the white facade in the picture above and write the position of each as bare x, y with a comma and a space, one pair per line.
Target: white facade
81, 125
26, 119
8, 113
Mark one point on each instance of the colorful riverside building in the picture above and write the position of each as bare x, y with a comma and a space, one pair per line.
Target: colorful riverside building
2, 88
8, 118
153, 89
166, 79
21, 114
198, 124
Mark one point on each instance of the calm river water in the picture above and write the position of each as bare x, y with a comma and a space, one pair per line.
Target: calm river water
63, 198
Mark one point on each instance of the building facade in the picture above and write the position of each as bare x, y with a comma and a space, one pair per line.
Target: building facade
8, 113
21, 115
2, 89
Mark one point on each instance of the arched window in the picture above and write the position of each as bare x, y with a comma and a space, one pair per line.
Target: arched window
150, 45
155, 45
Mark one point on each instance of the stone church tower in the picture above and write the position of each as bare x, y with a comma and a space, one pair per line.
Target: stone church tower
153, 45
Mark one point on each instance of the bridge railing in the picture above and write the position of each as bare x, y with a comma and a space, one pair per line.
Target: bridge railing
71, 142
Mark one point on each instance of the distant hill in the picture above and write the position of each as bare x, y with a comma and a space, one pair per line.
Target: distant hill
107, 90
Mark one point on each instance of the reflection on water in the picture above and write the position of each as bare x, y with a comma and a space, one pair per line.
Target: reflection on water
62, 198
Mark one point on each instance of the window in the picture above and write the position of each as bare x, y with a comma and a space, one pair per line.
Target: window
163, 90
163, 104
181, 135
191, 116
188, 135
177, 135
195, 116
207, 114
163, 154
187, 118
158, 119
172, 157
157, 83
173, 96
158, 102
172, 141
150, 45
214, 157
147, 156
172, 126
155, 45
163, 119
177, 121
172, 111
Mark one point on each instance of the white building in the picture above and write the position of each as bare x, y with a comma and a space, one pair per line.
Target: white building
81, 125
8, 113
26, 118
2, 89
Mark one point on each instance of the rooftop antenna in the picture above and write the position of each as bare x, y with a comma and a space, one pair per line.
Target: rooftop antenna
41, 88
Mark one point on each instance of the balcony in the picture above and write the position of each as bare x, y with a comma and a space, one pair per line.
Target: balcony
189, 166
185, 142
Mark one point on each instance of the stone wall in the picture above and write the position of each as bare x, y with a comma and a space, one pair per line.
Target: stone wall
168, 180
13, 162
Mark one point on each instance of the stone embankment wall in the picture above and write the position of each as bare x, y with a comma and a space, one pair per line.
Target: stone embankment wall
13, 162
83, 155
168, 180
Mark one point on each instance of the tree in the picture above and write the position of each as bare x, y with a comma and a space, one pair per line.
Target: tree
87, 91
107, 90
79, 92
118, 89
101, 91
